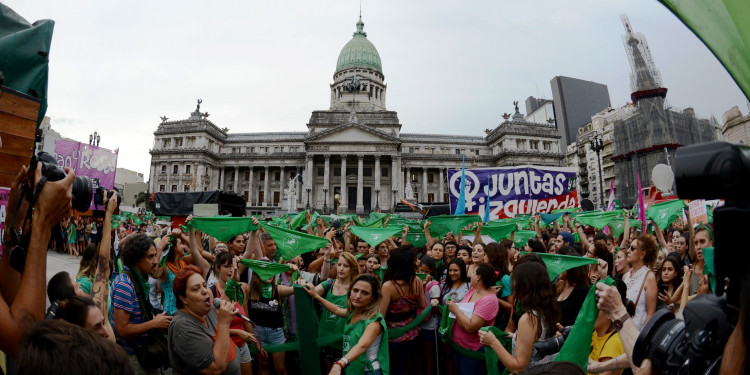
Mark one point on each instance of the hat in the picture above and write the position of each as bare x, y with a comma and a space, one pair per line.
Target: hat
568, 237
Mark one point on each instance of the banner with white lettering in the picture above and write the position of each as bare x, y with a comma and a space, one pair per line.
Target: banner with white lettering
97, 163
515, 190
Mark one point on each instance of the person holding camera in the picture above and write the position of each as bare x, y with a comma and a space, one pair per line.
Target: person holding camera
22, 300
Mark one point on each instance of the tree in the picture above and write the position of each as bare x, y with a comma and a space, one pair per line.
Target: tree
145, 199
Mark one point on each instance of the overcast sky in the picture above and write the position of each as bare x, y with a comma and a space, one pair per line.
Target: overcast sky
451, 67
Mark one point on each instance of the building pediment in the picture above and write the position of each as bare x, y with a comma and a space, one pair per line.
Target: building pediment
352, 133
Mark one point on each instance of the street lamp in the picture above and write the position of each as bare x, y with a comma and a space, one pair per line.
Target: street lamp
394, 200
597, 145
325, 200
307, 206
94, 139
377, 199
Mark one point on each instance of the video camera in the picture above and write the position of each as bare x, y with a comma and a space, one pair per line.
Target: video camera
551, 345
714, 170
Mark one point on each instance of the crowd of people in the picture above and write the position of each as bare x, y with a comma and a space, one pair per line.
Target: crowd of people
148, 298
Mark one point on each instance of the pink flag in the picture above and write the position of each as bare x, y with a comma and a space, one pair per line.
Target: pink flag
641, 206
611, 205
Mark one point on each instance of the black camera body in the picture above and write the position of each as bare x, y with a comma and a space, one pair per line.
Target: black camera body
82, 187
551, 345
102, 196
713, 170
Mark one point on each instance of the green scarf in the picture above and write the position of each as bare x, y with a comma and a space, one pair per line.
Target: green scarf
144, 283
374, 236
233, 290
375, 221
441, 225
522, 237
557, 264
265, 270
499, 231
597, 220
291, 243
490, 357
223, 228
266, 289
578, 344
666, 212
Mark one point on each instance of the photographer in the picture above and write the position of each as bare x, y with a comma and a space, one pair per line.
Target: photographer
23, 299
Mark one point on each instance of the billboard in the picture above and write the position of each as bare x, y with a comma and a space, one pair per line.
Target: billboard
515, 190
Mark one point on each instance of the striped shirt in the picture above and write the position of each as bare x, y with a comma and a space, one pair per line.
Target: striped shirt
124, 298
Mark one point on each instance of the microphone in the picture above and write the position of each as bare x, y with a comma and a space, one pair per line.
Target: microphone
217, 304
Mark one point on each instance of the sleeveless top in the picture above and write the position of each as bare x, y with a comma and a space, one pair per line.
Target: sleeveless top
634, 282
535, 358
376, 355
401, 312
331, 323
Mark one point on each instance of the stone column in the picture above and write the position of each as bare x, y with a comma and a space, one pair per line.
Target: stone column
424, 184
236, 178
310, 184
407, 181
360, 173
222, 172
377, 171
151, 178
441, 187
169, 175
282, 186
265, 188
250, 186
395, 172
326, 176
342, 197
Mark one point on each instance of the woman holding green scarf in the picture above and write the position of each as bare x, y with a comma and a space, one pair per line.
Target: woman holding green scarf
231, 291
365, 345
264, 308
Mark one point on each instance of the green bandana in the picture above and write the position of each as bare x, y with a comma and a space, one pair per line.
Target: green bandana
416, 239
498, 231
441, 225
290, 243
233, 290
708, 267
557, 264
381, 273
374, 236
578, 344
265, 270
266, 289
666, 212
522, 237
298, 220
491, 357
376, 220
223, 228
144, 283
422, 276
597, 220
549, 218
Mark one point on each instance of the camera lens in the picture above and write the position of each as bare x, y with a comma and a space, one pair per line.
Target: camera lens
82, 191
659, 340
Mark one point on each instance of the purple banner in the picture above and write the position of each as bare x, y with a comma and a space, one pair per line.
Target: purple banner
97, 163
515, 190
4, 194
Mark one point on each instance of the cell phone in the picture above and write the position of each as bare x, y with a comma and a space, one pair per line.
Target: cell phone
663, 288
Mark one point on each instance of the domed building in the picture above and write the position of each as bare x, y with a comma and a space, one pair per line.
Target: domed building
352, 158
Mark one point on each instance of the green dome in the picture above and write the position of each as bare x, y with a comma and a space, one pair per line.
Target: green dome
359, 52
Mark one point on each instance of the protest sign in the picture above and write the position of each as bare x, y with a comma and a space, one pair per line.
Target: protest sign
515, 190
698, 213
97, 163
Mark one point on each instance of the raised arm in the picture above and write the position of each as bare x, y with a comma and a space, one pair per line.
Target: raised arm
478, 234
584, 240
198, 259
330, 306
660, 235
625, 232
100, 288
691, 244
429, 239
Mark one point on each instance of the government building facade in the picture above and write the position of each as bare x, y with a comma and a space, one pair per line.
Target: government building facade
352, 158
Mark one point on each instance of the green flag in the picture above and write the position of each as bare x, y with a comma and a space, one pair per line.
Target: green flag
557, 264
500, 231
290, 243
617, 226
441, 225
265, 270
709, 268
723, 27
223, 228
522, 237
666, 212
578, 344
416, 238
374, 236
491, 358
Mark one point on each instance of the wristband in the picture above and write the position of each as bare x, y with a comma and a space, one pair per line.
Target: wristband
344, 361
339, 363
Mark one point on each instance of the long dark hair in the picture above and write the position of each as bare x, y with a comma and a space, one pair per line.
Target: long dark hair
498, 256
464, 277
534, 293
677, 268
401, 265
372, 310
487, 273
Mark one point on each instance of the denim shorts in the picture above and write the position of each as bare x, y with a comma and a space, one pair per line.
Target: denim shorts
245, 356
270, 336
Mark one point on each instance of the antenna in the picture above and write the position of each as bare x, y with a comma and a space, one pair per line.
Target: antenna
360, 9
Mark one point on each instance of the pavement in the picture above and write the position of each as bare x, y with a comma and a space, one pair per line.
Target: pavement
57, 262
